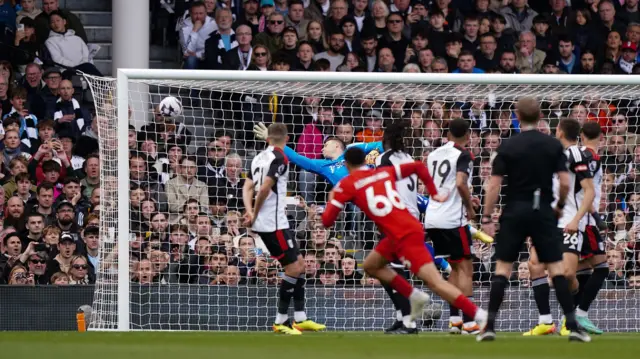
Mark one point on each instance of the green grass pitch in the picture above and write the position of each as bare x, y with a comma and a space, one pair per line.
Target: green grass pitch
331, 345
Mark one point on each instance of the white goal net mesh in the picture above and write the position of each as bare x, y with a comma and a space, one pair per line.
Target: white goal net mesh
193, 266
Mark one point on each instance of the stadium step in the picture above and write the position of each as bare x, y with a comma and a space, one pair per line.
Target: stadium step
158, 53
94, 18
86, 5
99, 33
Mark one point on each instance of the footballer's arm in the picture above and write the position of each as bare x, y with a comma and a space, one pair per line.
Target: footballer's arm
247, 200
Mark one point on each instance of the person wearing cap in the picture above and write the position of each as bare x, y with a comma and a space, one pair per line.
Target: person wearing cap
628, 58
51, 92
271, 38
295, 18
551, 64
329, 275
289, 47
66, 250
373, 131
193, 34
72, 192
568, 61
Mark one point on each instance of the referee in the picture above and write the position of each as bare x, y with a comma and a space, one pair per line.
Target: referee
529, 161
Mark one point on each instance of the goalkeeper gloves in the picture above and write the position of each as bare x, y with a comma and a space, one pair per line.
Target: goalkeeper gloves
260, 131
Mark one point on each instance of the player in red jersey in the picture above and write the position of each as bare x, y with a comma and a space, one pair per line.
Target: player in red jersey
374, 191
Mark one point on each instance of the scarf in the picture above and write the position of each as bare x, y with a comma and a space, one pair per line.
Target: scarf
232, 45
76, 109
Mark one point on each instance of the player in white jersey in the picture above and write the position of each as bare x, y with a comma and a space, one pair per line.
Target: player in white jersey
593, 269
572, 222
267, 217
447, 223
407, 188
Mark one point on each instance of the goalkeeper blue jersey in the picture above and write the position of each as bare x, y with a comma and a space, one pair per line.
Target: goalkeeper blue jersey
332, 170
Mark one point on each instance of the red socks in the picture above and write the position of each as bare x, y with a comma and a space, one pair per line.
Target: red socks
466, 306
401, 286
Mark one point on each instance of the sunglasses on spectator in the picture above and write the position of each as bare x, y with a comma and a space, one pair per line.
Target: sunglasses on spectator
276, 22
80, 266
53, 77
220, 148
260, 54
38, 261
394, 21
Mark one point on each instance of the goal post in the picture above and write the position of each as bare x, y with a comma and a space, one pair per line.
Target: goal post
245, 96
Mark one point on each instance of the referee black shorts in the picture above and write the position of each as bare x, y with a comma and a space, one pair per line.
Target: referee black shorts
281, 245
519, 221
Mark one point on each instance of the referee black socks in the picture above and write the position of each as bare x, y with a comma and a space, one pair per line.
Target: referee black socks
496, 296
540, 287
561, 286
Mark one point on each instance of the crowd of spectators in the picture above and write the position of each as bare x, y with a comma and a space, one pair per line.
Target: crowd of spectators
186, 204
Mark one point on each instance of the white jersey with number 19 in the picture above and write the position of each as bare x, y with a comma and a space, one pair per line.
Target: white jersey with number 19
444, 164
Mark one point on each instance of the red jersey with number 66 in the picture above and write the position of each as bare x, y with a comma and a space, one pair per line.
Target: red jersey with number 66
374, 191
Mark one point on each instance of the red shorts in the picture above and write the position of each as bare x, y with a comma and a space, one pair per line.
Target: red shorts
410, 250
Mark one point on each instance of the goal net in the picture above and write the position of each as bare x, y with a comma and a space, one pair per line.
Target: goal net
174, 255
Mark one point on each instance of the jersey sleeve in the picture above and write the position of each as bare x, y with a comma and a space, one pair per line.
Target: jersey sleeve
277, 168
464, 163
303, 162
499, 165
561, 160
368, 147
578, 164
342, 194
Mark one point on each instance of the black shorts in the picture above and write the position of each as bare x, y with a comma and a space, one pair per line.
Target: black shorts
281, 246
572, 243
518, 221
454, 243
593, 244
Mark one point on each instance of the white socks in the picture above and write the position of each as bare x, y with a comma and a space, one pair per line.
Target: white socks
545, 319
281, 318
299, 316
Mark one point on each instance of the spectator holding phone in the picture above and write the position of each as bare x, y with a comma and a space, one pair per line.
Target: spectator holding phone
27, 122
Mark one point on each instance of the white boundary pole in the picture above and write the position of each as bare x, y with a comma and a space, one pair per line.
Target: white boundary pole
355, 77
123, 200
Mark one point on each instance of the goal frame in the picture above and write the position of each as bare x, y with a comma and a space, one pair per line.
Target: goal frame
126, 75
